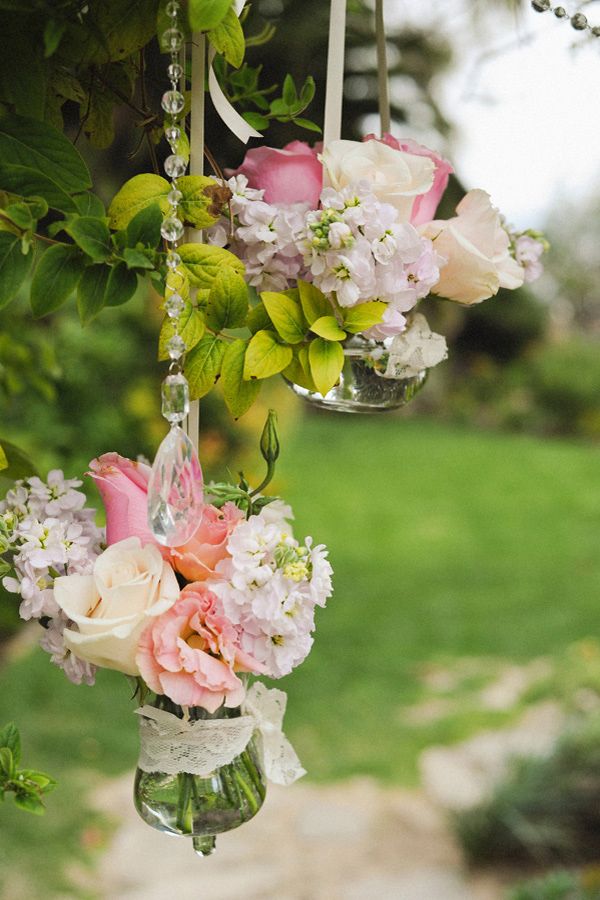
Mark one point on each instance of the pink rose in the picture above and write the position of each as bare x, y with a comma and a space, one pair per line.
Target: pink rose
291, 175
197, 559
123, 485
191, 653
425, 205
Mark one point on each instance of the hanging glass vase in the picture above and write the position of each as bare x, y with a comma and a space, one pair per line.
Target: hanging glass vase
363, 386
194, 805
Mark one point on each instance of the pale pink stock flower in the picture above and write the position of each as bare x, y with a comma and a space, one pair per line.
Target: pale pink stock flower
197, 559
191, 653
291, 175
425, 205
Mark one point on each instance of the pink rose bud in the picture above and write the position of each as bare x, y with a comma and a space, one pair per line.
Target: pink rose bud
291, 175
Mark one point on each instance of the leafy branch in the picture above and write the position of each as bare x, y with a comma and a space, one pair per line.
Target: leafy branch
28, 785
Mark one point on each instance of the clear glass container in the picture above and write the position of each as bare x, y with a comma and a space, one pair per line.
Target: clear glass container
197, 806
362, 387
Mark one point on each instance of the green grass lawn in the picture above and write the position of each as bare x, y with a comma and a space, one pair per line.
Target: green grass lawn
445, 542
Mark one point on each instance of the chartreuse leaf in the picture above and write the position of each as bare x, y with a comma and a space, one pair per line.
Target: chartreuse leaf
19, 465
14, 266
326, 362
298, 370
286, 315
365, 315
191, 328
7, 764
204, 15
258, 318
10, 738
44, 149
136, 194
328, 327
56, 277
265, 356
202, 263
121, 285
227, 304
3, 459
314, 302
228, 38
239, 394
92, 235
144, 227
197, 207
177, 283
91, 291
20, 214
203, 365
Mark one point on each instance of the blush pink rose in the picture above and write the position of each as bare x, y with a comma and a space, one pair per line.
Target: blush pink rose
191, 653
291, 175
197, 559
123, 485
425, 205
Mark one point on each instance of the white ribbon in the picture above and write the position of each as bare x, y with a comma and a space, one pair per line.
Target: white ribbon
334, 84
172, 745
236, 123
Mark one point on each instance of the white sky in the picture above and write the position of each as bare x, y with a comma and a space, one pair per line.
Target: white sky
527, 119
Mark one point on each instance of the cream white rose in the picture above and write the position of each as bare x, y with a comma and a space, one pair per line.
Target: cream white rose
396, 177
130, 585
477, 250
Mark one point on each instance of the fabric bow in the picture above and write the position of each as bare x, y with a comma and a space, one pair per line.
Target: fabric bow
267, 709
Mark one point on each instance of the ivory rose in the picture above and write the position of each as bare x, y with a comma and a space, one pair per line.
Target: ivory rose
291, 175
394, 176
197, 559
123, 485
425, 205
130, 585
191, 653
477, 250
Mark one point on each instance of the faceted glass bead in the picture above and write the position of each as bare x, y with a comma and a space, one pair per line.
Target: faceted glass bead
540, 5
175, 497
171, 228
174, 197
175, 346
173, 102
175, 165
560, 12
171, 39
172, 133
172, 9
173, 260
174, 305
596, 30
174, 71
175, 398
579, 22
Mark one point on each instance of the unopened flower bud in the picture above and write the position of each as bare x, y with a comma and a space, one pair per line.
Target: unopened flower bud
269, 442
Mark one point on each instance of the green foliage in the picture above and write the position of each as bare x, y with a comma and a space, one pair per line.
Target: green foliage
15, 262
55, 279
203, 365
238, 393
205, 15
286, 314
191, 329
326, 359
136, 194
266, 356
228, 38
203, 262
27, 785
227, 303
556, 886
328, 328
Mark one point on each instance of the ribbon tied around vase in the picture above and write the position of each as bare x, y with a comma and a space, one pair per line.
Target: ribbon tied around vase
172, 745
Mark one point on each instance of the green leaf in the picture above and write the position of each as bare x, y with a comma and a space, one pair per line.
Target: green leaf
227, 305
255, 120
228, 38
289, 94
10, 737
53, 33
365, 315
327, 327
306, 123
203, 365
20, 214
7, 763
44, 149
56, 277
22, 67
314, 302
19, 464
307, 91
203, 262
92, 235
121, 285
14, 266
30, 801
91, 291
204, 15
286, 315
39, 781
27, 182
265, 356
144, 228
258, 319
326, 363
198, 207
239, 394
137, 259
3, 459
89, 205
110, 30
136, 194
191, 328
298, 370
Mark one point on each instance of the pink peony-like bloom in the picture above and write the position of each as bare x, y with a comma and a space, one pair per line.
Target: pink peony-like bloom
425, 205
123, 485
191, 653
291, 175
197, 559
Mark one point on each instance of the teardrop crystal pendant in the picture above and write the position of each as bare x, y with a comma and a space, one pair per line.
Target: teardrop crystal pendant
175, 496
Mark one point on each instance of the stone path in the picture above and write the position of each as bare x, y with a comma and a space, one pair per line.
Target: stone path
353, 841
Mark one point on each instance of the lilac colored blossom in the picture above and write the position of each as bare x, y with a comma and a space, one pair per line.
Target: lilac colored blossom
528, 253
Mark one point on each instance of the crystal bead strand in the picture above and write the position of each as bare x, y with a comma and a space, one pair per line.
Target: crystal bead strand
578, 21
175, 497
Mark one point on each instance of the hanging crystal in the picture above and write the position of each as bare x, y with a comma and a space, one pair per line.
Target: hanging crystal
175, 496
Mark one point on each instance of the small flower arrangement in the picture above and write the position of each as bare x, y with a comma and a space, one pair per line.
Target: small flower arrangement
190, 624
